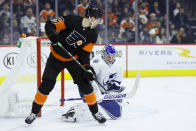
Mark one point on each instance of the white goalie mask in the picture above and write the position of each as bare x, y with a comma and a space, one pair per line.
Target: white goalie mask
109, 54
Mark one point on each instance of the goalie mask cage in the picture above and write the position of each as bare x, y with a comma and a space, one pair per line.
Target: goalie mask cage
20, 86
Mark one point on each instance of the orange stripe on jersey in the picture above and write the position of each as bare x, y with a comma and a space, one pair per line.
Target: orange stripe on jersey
60, 25
88, 47
60, 57
40, 98
90, 99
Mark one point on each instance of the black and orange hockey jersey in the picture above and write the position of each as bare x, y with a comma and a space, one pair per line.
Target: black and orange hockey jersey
77, 40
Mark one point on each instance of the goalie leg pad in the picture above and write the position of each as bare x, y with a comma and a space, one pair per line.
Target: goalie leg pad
112, 108
78, 112
70, 115
82, 112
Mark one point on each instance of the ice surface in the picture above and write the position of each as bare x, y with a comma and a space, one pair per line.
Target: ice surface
161, 104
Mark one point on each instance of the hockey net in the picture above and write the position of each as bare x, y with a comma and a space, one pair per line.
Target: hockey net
19, 88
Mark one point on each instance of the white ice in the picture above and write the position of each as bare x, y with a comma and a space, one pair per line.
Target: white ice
160, 104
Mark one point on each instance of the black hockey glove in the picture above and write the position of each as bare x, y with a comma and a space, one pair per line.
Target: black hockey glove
90, 73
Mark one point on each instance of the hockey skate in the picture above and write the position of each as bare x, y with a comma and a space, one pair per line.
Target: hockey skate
30, 118
99, 117
70, 115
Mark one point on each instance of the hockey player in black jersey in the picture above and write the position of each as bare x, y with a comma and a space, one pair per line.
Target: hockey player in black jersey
78, 35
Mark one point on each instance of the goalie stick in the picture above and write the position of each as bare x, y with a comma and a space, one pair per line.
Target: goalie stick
128, 95
105, 97
135, 86
75, 60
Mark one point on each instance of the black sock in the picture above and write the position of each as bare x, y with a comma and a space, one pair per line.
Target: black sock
36, 108
93, 108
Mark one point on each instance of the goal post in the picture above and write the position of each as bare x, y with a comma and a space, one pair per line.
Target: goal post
19, 88
39, 39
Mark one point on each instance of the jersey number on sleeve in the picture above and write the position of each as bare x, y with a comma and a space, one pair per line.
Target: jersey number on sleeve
54, 21
59, 23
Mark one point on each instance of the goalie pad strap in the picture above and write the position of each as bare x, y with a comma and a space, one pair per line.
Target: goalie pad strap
40, 98
90, 98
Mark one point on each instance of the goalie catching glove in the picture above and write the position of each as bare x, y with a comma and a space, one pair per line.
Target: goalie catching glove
112, 86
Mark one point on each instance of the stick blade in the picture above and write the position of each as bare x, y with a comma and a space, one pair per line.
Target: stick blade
135, 86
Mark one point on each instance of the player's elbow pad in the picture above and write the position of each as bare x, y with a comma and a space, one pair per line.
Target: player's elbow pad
51, 32
49, 28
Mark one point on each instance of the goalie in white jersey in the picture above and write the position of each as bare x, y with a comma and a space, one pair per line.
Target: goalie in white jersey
108, 73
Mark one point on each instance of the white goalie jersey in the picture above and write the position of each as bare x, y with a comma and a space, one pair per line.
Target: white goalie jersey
107, 73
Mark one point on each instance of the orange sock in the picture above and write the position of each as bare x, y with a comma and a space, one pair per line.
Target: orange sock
40, 98
90, 98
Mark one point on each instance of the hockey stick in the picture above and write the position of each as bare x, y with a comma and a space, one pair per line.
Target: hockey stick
59, 44
128, 95
135, 86
105, 97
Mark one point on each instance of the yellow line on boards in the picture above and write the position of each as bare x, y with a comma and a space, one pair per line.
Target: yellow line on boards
144, 73
159, 73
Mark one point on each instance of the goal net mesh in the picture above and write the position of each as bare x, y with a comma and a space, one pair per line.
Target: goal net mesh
20, 86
